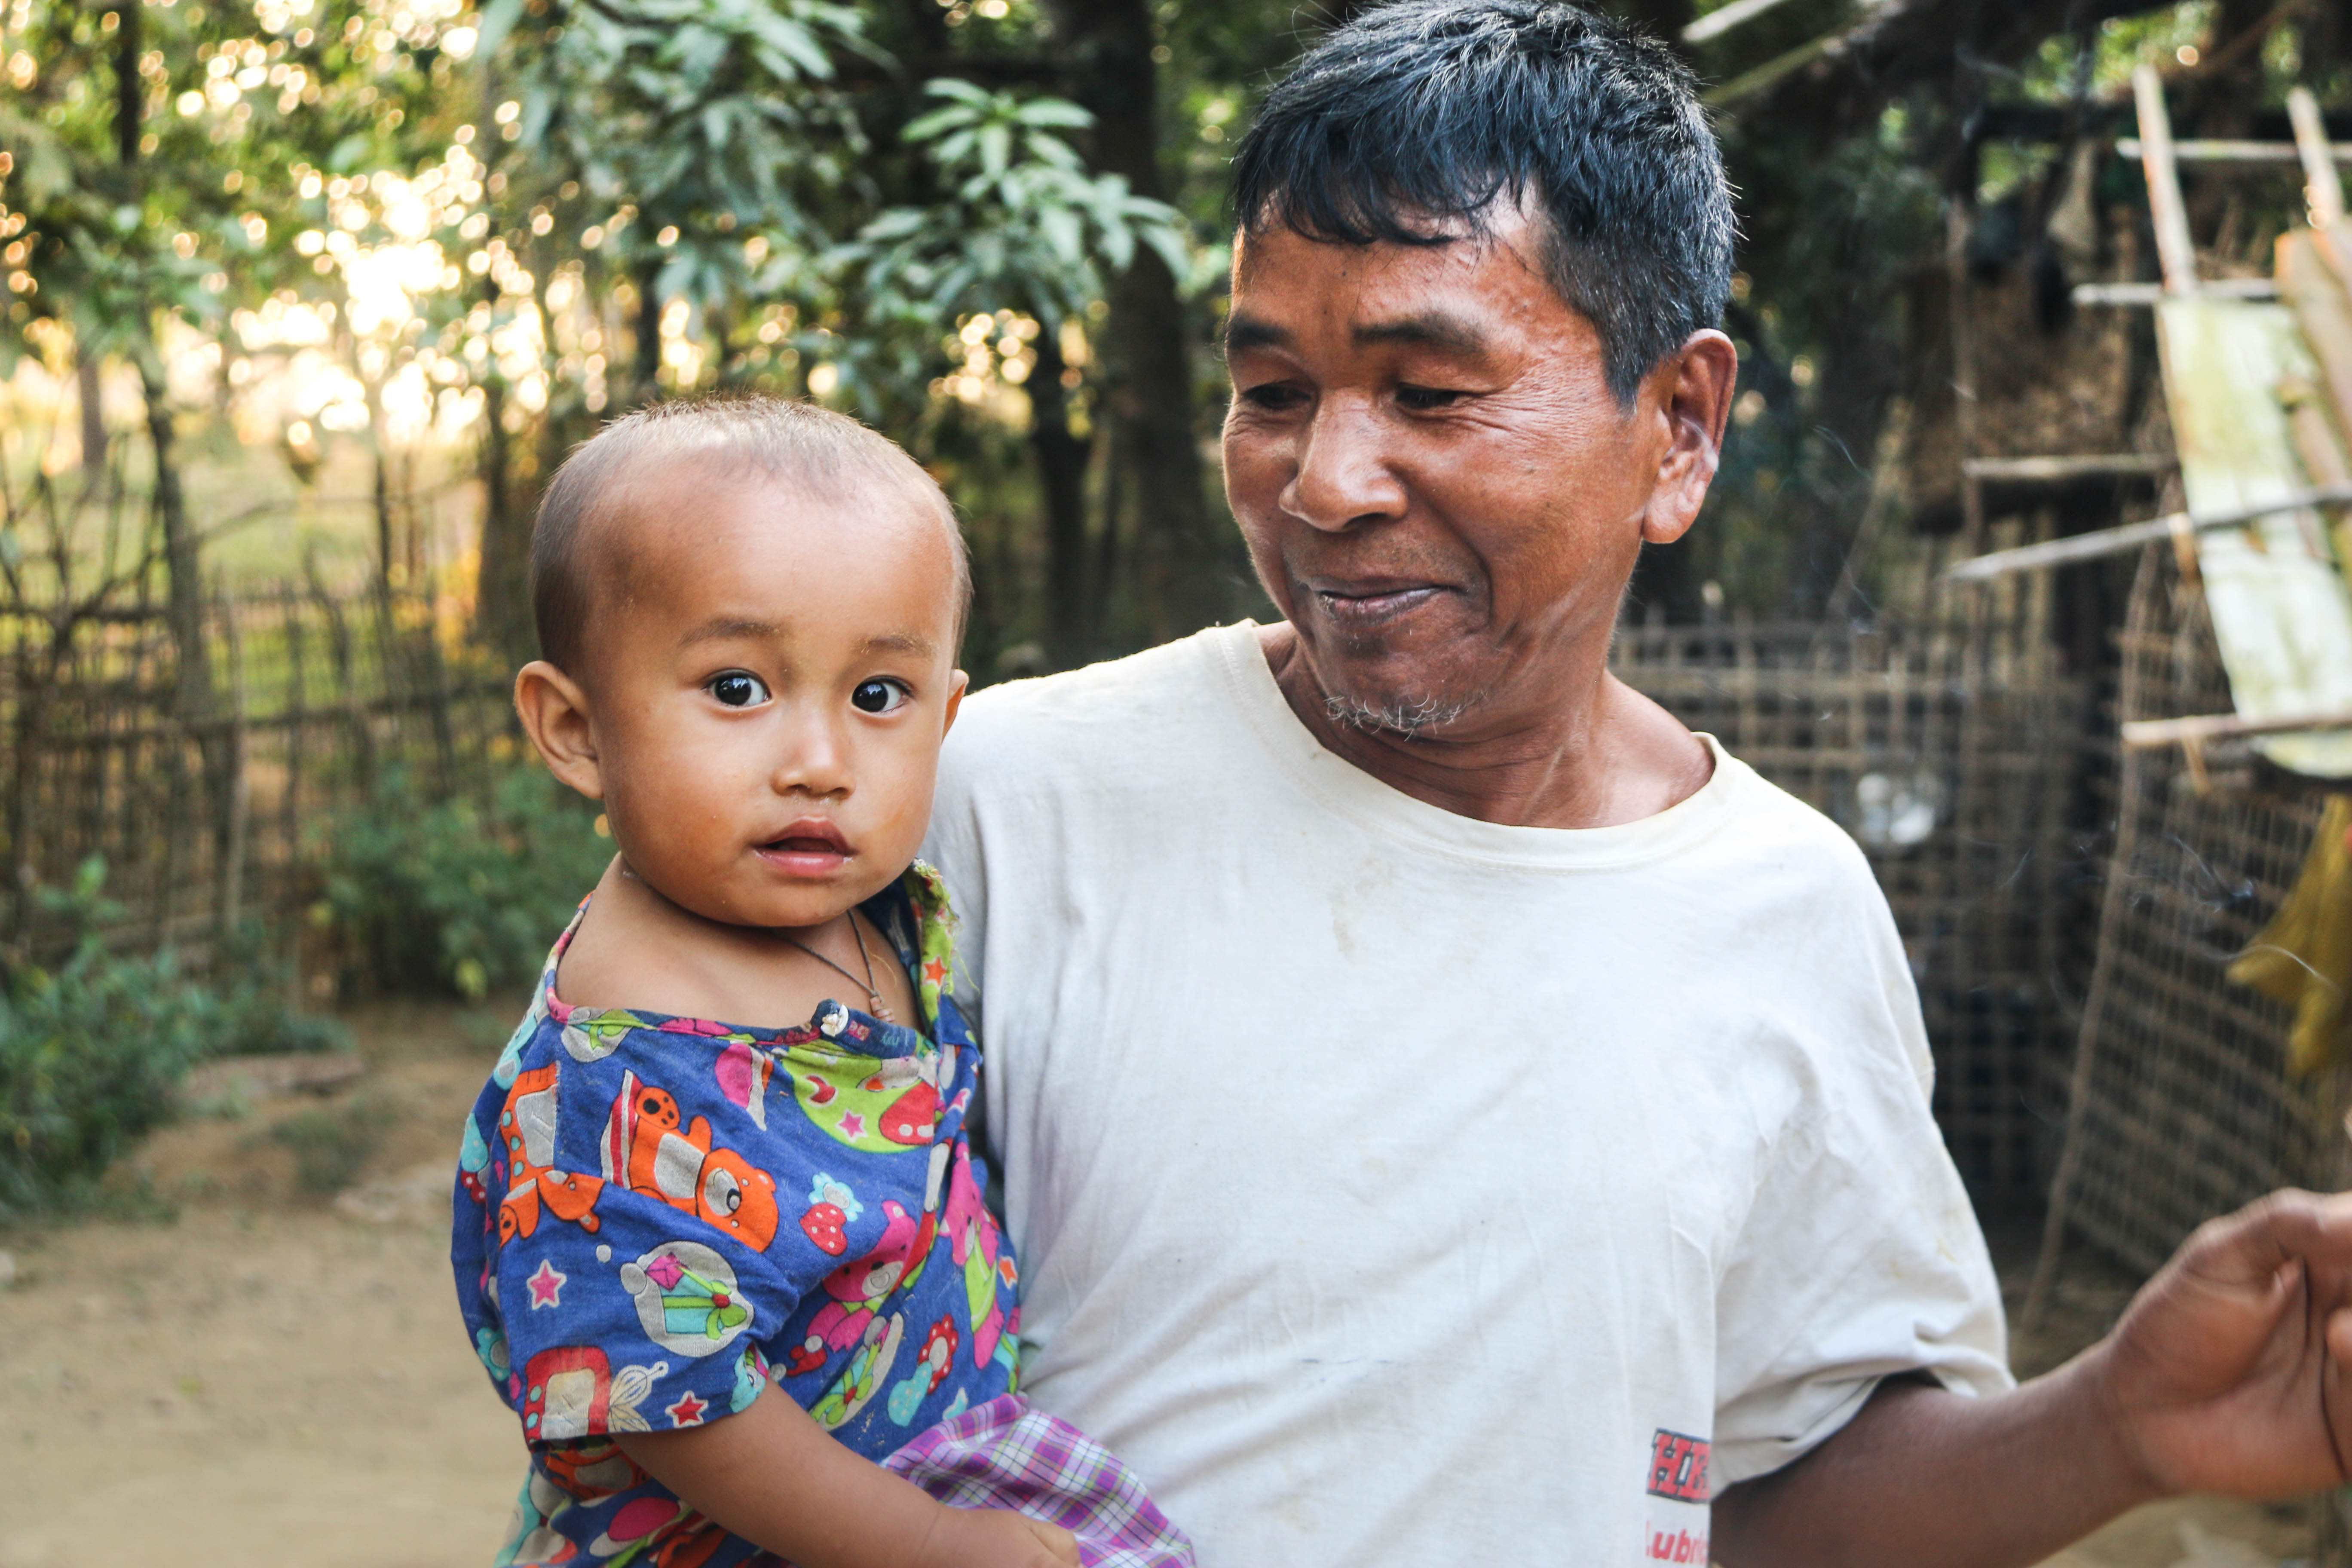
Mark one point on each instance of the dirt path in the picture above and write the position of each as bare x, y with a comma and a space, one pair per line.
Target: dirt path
277, 1379
274, 1378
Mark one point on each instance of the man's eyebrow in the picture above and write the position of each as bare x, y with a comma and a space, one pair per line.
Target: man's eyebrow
1253, 332
1438, 330
721, 628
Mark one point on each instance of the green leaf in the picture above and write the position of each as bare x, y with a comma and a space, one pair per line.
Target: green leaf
1062, 231
961, 91
1054, 111
939, 120
995, 148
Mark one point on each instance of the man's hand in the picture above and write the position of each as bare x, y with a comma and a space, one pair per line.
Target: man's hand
2232, 1371
2229, 1372
996, 1538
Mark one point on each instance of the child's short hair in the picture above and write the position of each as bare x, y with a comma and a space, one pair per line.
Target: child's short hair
785, 439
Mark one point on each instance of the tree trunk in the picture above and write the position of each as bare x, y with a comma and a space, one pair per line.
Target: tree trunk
93, 418
648, 361
127, 91
1061, 478
184, 604
1146, 356
502, 585
383, 525
183, 586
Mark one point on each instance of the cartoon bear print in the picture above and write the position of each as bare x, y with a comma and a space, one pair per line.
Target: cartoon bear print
859, 1289
644, 1150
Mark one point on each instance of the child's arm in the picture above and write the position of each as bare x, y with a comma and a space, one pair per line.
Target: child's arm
773, 1476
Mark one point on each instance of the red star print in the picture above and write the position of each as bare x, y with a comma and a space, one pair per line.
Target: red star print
936, 973
687, 1411
547, 1286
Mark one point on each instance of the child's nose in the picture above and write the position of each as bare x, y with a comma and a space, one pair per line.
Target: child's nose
815, 759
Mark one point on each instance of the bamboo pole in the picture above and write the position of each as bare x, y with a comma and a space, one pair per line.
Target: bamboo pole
2196, 729
2174, 250
2130, 536
2189, 151
2321, 188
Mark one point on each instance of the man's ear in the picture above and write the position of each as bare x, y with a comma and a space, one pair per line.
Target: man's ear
1694, 392
555, 714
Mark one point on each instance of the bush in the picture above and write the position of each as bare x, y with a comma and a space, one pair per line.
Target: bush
330, 1145
443, 896
92, 1050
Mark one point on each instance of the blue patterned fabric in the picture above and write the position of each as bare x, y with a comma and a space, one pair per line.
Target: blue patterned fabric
655, 1216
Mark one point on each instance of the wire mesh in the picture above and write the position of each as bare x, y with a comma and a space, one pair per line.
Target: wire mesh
2187, 1109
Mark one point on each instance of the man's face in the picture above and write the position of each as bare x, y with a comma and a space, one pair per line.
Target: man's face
1437, 488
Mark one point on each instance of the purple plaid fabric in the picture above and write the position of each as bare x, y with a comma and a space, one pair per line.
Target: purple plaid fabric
1008, 1454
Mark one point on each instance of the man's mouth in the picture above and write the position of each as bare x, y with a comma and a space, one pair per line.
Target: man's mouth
811, 846
1363, 605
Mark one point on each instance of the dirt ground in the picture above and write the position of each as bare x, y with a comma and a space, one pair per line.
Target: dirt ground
275, 1377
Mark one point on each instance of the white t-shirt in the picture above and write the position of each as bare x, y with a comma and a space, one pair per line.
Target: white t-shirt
1396, 1188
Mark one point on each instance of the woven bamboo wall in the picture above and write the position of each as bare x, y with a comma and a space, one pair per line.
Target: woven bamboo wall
1950, 750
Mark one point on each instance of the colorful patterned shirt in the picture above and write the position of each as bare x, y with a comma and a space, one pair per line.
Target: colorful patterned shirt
654, 1216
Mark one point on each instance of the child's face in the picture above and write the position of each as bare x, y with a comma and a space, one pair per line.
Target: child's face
769, 673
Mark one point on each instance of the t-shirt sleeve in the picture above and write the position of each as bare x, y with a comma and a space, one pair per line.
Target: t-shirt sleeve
1861, 1258
625, 1310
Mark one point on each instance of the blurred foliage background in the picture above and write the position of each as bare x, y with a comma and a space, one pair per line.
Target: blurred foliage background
308, 297
360, 271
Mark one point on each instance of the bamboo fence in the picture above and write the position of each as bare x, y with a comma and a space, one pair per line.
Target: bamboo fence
219, 812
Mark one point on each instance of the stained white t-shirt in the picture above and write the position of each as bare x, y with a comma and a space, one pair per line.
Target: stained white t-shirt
1394, 1188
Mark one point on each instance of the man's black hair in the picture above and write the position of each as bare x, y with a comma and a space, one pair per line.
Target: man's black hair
1424, 112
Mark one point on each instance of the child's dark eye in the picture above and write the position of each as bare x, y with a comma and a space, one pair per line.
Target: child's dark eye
736, 690
878, 696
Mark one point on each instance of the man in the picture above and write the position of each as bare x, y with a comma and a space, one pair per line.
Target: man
1449, 1113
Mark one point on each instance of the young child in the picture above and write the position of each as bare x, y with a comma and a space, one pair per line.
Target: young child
721, 1270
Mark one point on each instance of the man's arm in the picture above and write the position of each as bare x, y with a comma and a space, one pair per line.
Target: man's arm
2228, 1374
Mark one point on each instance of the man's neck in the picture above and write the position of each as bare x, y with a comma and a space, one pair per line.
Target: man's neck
1596, 754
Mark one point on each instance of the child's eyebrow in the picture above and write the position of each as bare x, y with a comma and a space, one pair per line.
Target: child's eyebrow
723, 628
900, 642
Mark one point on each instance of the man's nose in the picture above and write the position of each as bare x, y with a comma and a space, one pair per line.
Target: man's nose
1344, 474
814, 758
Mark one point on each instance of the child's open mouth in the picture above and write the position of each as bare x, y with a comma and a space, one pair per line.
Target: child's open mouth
806, 848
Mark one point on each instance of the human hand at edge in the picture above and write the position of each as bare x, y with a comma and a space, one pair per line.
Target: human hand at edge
2231, 1370
996, 1538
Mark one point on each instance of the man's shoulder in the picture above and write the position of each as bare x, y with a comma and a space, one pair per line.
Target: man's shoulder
1768, 829
1120, 704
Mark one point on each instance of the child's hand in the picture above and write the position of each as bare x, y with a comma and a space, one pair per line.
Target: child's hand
996, 1538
